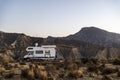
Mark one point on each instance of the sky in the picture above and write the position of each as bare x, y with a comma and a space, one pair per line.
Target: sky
58, 18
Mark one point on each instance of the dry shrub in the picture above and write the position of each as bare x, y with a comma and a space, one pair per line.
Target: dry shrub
80, 74
109, 71
16, 66
39, 73
10, 75
92, 69
93, 61
84, 60
24, 73
78, 62
43, 74
81, 71
116, 62
52, 71
27, 73
61, 75
68, 61
106, 77
6, 59
22, 63
69, 64
74, 75
51, 68
72, 66
8, 66
30, 75
31, 66
34, 72
118, 74
24, 67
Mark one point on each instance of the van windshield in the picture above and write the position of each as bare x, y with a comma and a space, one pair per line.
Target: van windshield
30, 52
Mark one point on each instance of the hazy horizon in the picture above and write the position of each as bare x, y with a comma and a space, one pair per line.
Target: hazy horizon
58, 18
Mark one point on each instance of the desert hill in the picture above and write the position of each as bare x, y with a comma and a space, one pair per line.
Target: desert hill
96, 36
88, 42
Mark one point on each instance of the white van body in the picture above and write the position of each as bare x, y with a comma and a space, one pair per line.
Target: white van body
43, 52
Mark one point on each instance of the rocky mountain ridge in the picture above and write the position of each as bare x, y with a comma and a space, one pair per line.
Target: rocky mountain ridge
17, 40
96, 36
88, 42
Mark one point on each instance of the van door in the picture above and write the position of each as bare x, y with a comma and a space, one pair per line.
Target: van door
47, 53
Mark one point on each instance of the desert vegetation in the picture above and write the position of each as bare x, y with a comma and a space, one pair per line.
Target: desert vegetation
61, 69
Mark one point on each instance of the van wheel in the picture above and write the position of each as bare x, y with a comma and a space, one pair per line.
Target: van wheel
28, 59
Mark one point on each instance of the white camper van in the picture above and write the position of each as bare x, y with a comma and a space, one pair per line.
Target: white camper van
43, 52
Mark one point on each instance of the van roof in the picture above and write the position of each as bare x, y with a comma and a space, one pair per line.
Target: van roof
50, 46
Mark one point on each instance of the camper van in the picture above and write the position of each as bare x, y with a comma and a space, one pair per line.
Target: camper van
41, 52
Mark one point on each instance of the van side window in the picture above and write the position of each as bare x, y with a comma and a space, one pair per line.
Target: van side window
39, 51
